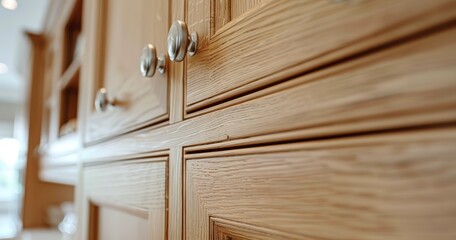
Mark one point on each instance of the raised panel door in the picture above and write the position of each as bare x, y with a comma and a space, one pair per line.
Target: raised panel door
118, 31
248, 45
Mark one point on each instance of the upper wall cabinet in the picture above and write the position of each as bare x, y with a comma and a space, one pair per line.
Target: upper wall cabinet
246, 45
126, 87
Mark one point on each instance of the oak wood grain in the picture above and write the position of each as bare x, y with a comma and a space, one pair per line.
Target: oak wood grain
281, 39
220, 14
118, 32
177, 74
409, 85
175, 196
239, 7
135, 189
385, 186
221, 185
177, 70
138, 185
222, 229
224, 11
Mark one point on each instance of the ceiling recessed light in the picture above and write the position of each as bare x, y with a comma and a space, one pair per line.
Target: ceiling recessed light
3, 68
9, 4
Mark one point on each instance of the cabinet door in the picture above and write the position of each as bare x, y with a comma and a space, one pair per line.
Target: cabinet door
389, 186
396, 185
125, 200
118, 31
244, 45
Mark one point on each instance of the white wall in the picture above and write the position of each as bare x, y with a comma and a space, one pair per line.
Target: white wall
7, 114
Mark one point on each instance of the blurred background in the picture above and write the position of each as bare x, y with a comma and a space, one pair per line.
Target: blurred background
16, 17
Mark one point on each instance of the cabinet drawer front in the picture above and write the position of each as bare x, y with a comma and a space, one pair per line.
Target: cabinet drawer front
389, 186
408, 85
118, 31
247, 45
126, 199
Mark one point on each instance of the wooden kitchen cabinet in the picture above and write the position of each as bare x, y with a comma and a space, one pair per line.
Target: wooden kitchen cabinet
60, 119
292, 120
126, 200
244, 46
352, 188
322, 188
117, 32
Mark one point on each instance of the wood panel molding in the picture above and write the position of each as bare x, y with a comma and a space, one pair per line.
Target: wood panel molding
224, 11
108, 63
268, 45
386, 90
376, 186
135, 189
295, 119
223, 229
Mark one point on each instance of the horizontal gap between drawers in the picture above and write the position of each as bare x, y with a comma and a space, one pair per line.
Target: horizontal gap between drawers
157, 122
225, 148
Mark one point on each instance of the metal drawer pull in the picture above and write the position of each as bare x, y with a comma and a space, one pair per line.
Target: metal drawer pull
102, 102
150, 62
180, 42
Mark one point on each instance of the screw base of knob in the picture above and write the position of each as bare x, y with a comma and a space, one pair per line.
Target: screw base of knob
180, 42
150, 63
161, 65
102, 101
193, 45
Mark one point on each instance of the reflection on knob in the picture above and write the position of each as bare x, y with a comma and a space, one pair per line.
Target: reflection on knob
180, 42
102, 102
150, 62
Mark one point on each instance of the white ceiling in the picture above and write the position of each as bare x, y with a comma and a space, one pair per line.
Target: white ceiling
28, 16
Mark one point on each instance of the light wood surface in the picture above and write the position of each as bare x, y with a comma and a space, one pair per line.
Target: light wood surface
222, 229
35, 204
60, 97
57, 75
70, 73
177, 75
282, 39
239, 7
294, 120
386, 90
117, 32
133, 191
61, 174
224, 11
175, 196
386, 186
138, 185
117, 225
177, 70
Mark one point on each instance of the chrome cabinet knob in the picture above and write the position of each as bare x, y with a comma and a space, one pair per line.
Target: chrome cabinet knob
180, 42
102, 102
150, 63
